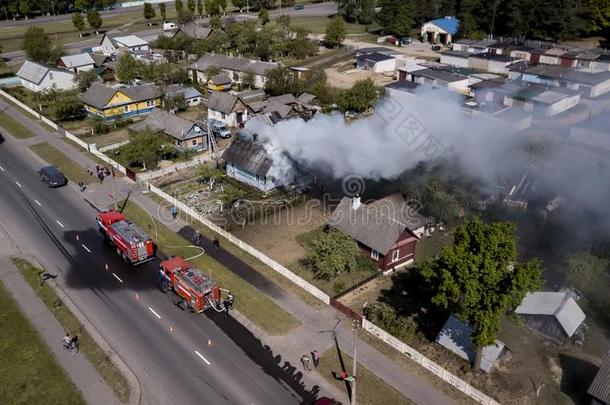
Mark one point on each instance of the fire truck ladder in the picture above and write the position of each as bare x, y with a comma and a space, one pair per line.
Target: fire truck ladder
212, 141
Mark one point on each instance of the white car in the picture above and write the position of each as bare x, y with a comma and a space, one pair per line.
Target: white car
168, 26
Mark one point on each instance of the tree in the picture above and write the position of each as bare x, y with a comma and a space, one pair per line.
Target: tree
332, 254
200, 8
479, 278
68, 109
335, 32
179, 6
81, 5
126, 68
385, 316
249, 80
149, 13
210, 71
281, 80
396, 17
583, 269
300, 46
223, 5
240, 4
79, 23
84, 79
95, 20
284, 21
37, 45
212, 7
263, 15
146, 148
25, 8
215, 23
185, 17
360, 97
348, 9
190, 5
175, 103
367, 12
163, 11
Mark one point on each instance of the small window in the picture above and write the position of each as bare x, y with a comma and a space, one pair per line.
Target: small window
126, 108
150, 103
223, 115
395, 255
194, 141
374, 255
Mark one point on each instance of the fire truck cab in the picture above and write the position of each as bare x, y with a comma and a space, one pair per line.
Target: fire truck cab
198, 290
131, 243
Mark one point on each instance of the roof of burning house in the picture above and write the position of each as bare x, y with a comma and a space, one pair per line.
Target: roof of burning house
248, 155
378, 224
600, 387
557, 304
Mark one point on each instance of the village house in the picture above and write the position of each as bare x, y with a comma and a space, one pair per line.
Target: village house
599, 390
286, 106
475, 46
247, 161
555, 315
120, 102
589, 82
111, 45
386, 230
233, 66
456, 336
220, 82
77, 63
458, 58
437, 77
193, 31
491, 62
185, 134
227, 108
39, 78
440, 30
191, 95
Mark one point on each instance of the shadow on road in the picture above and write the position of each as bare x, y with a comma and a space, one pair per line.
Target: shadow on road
283, 372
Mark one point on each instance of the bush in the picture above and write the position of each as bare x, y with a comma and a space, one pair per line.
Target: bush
384, 316
98, 125
68, 110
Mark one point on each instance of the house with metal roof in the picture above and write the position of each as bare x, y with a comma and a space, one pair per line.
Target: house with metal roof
599, 390
456, 336
440, 30
183, 133
77, 63
38, 78
227, 108
193, 31
440, 77
376, 62
387, 230
474, 45
111, 45
113, 103
191, 95
248, 161
220, 82
555, 315
233, 66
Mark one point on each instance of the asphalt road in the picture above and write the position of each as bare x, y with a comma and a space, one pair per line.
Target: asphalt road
206, 358
312, 10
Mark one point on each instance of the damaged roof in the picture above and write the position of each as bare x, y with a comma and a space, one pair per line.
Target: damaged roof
249, 156
600, 387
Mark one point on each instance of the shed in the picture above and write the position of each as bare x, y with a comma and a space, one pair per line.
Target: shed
376, 62
456, 336
440, 30
77, 63
191, 95
554, 315
600, 387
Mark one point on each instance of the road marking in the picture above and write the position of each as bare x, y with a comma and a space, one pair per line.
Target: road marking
1, 168
18, 184
86, 248
119, 278
202, 358
37, 202
153, 311
59, 223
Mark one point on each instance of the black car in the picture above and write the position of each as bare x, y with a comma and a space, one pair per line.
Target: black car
52, 176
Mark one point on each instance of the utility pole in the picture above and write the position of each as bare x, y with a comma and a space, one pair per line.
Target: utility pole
116, 205
355, 360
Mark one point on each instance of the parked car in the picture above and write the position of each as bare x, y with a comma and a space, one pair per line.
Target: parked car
219, 128
52, 176
405, 40
168, 26
436, 48
299, 7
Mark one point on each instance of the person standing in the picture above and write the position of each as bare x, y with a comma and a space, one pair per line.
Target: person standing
305, 362
174, 212
316, 358
216, 243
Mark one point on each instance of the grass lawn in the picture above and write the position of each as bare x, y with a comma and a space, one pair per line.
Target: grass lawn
14, 127
370, 390
249, 301
29, 373
72, 170
317, 25
98, 358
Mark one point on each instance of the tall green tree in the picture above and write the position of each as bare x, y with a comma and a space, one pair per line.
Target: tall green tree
479, 278
223, 5
367, 11
85, 79
263, 16
163, 11
360, 97
179, 6
25, 8
335, 32
396, 17
81, 5
281, 80
149, 13
215, 23
332, 254
212, 7
37, 45
79, 23
126, 68
95, 20
240, 4
200, 8
190, 5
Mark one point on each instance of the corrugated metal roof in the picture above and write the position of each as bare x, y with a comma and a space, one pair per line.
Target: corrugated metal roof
187, 92
557, 304
600, 387
130, 41
233, 63
32, 72
447, 24
82, 59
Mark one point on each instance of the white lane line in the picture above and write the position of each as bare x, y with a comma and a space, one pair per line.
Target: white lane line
85, 247
18, 184
59, 223
38, 202
120, 281
202, 358
1, 168
153, 311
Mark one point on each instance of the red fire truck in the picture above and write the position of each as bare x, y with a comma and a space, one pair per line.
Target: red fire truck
197, 289
132, 244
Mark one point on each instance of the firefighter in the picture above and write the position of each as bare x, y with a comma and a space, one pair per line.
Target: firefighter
228, 303
174, 212
216, 242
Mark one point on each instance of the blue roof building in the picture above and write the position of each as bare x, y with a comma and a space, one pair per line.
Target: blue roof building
440, 30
